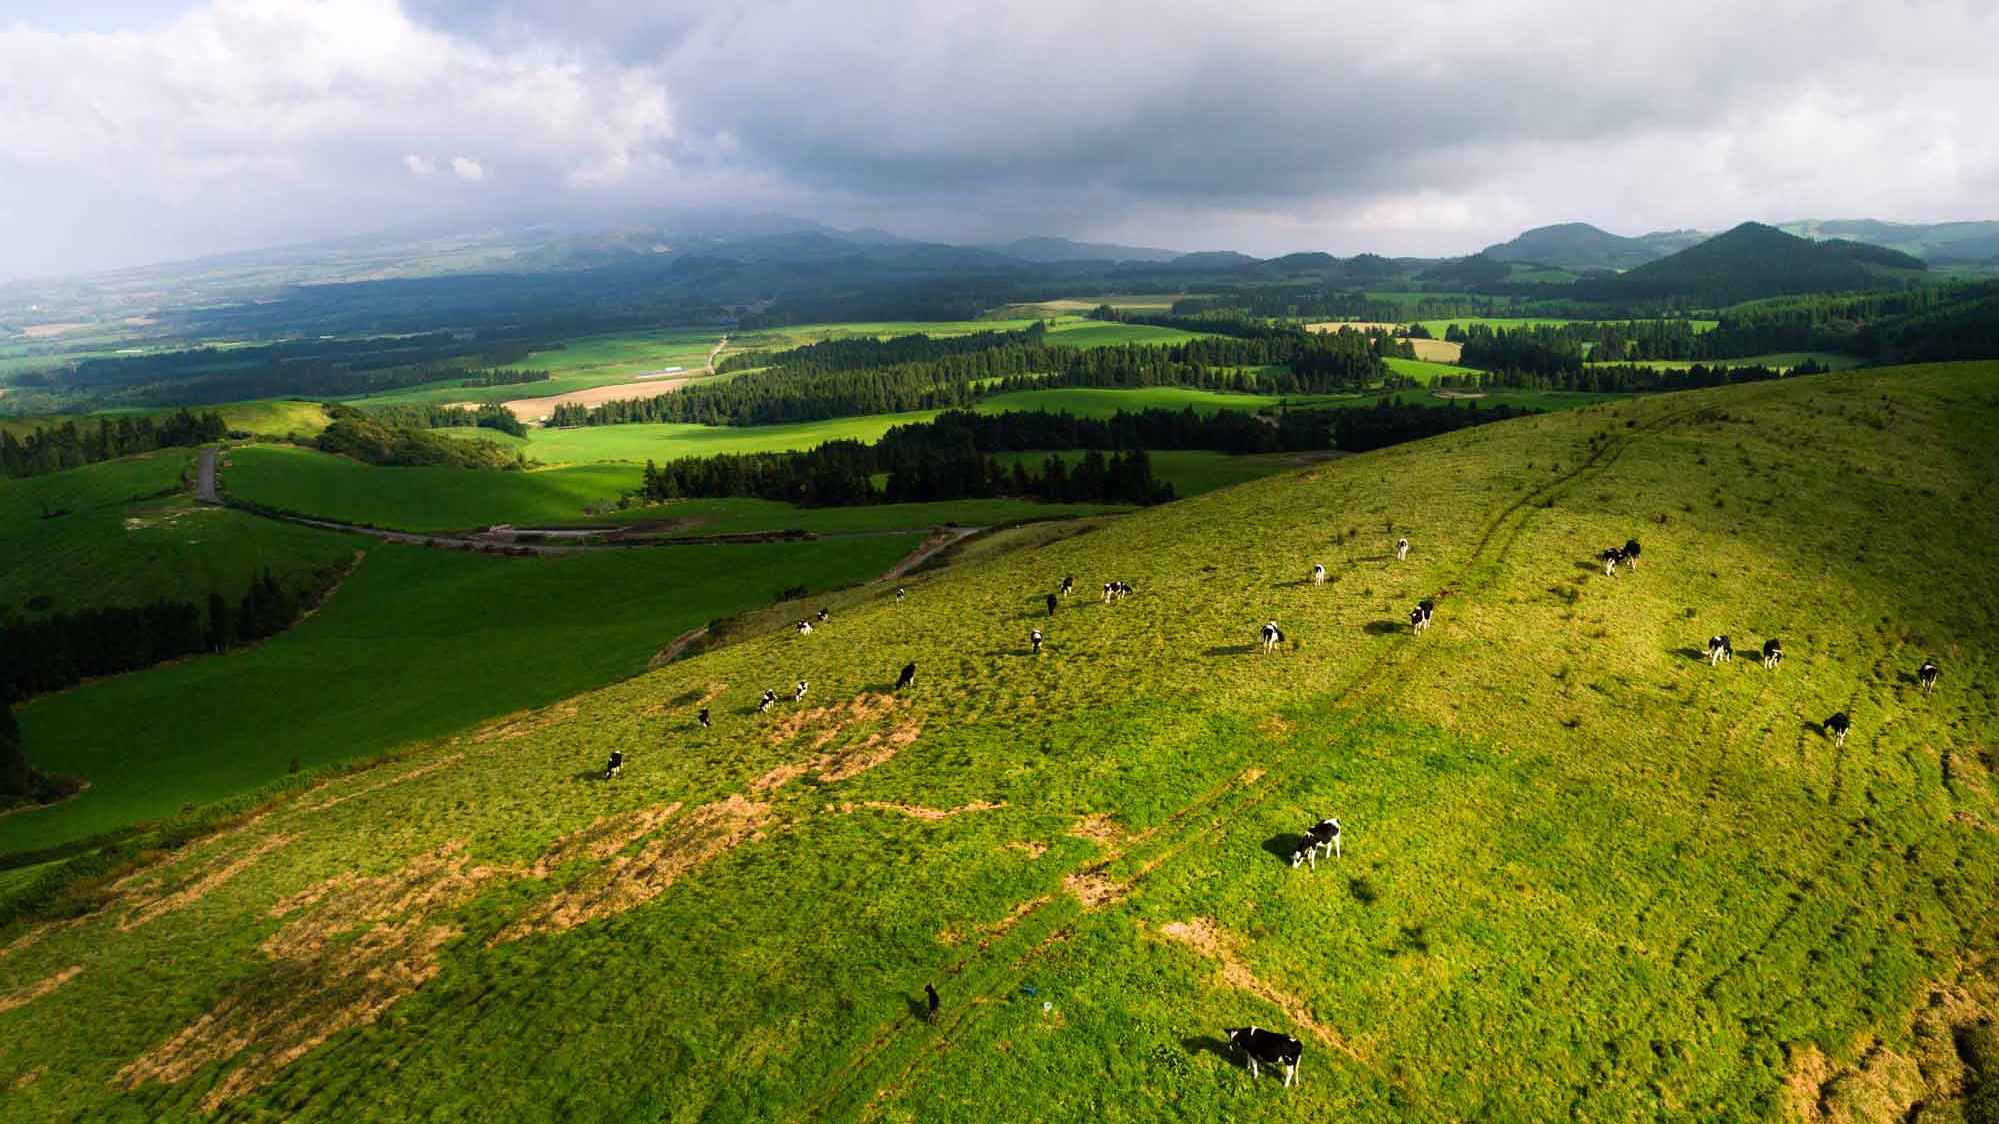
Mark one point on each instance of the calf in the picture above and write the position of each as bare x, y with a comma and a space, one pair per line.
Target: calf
1838, 726
1419, 617
823, 615
1773, 654
1272, 636
1401, 549
1318, 573
1610, 558
900, 593
804, 627
1631, 551
1319, 838
798, 695
703, 718
614, 766
1034, 638
1068, 585
769, 698
1719, 650
1051, 604
1927, 676
1267, 1047
908, 676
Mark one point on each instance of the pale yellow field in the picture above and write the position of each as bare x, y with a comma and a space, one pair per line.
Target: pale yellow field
535, 409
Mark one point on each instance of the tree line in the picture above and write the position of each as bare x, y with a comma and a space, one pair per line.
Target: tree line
1629, 378
505, 377
63, 649
55, 448
379, 440
487, 415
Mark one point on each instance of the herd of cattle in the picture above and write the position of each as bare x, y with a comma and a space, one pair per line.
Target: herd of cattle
1269, 1047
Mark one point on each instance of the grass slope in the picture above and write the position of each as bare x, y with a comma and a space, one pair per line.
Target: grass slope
128, 534
276, 417
415, 644
1586, 875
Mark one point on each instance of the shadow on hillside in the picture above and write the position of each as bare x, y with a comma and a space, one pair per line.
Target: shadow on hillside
1230, 650
1002, 652
1590, 567
588, 775
1384, 628
1209, 1044
1283, 845
1813, 727
1698, 655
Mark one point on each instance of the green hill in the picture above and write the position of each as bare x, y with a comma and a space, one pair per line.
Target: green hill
1585, 875
1754, 261
1574, 245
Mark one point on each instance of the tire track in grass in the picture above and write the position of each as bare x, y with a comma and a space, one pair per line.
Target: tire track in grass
1368, 683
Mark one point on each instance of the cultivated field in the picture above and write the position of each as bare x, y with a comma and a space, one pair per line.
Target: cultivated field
1586, 876
277, 417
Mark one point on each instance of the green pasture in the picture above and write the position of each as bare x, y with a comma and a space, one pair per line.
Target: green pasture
420, 499
1585, 875
276, 417
1783, 359
416, 644
1190, 471
1423, 370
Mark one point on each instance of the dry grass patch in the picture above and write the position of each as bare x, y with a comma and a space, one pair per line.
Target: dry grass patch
916, 811
146, 907
1213, 943
405, 778
830, 721
1099, 828
26, 995
606, 836
867, 753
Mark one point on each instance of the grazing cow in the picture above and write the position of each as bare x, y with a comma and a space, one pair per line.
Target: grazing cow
804, 627
1719, 650
1401, 549
769, 698
614, 766
908, 675
1068, 585
1318, 573
1773, 654
1319, 838
704, 718
1116, 591
798, 694
1927, 676
823, 615
1110, 590
1631, 552
1610, 558
1272, 636
1268, 1047
1051, 604
930, 995
1838, 726
1034, 638
1419, 617
900, 593
1124, 590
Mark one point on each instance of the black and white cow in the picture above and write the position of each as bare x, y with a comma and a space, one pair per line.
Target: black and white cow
1401, 549
1719, 650
908, 675
770, 697
1051, 604
1773, 654
1272, 636
1267, 1047
900, 593
614, 766
1034, 638
1631, 552
1610, 558
1068, 585
798, 693
1319, 838
703, 718
1318, 573
1419, 617
1839, 725
823, 614
1116, 591
804, 627
1110, 591
1926, 675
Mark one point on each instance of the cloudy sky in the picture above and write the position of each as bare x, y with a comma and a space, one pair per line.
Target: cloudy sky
135, 131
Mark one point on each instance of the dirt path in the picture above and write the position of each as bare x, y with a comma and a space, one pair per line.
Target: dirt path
672, 651
719, 345
204, 478
938, 540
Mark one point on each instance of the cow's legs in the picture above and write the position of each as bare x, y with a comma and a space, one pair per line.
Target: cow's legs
1290, 1071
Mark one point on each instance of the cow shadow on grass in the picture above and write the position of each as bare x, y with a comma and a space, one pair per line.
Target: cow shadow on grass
999, 653
1698, 655
1230, 650
919, 1007
1384, 627
1283, 845
1590, 567
586, 776
1811, 727
1209, 1044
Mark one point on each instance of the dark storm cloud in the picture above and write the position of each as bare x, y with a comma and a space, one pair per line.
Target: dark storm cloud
1420, 127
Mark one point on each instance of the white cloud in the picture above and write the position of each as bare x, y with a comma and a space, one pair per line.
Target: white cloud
419, 166
467, 169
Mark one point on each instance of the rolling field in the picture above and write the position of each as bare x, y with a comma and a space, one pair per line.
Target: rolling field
127, 534
419, 499
1586, 876
276, 417
580, 364
1423, 370
415, 644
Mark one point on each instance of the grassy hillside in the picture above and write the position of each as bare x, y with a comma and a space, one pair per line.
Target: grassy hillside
1586, 876
276, 417
415, 644
124, 532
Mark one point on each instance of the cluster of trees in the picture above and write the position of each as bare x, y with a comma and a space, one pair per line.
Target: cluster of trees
1628, 378
63, 649
1927, 324
432, 416
1599, 340
862, 352
379, 441
503, 377
55, 448
810, 385
1319, 302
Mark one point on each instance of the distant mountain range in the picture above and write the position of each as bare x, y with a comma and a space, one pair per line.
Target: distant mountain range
1754, 261
1581, 247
